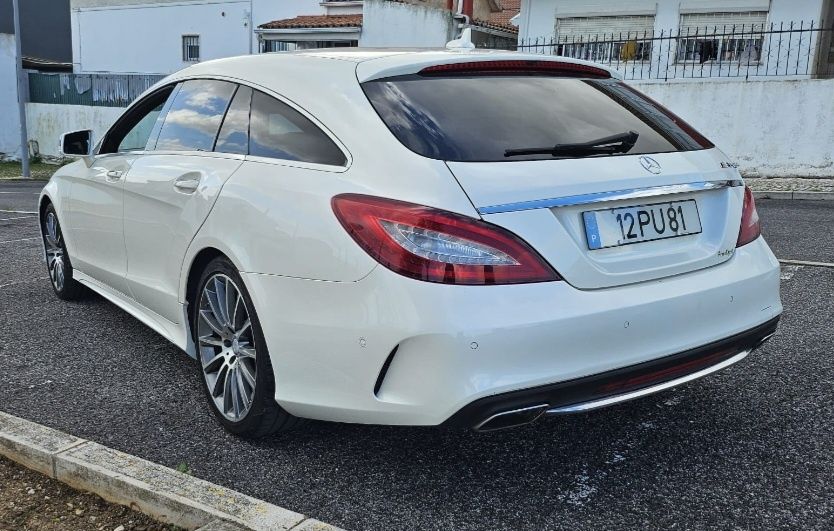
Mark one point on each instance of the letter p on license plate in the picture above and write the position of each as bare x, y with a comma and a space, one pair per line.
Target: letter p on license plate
635, 224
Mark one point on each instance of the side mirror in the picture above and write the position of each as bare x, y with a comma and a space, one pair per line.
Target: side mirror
77, 143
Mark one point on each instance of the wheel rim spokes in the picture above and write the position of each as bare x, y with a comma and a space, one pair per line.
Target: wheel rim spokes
54, 251
226, 347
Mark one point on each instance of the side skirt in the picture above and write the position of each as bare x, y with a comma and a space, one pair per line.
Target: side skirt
178, 334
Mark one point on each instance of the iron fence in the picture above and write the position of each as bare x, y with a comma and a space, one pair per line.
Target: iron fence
743, 51
104, 90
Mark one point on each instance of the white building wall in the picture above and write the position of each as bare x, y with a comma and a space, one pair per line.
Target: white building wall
47, 122
9, 120
538, 17
387, 24
772, 128
147, 38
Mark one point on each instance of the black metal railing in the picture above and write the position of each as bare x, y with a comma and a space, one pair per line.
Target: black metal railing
735, 51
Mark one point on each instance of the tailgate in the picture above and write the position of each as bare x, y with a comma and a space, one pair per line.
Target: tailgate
543, 202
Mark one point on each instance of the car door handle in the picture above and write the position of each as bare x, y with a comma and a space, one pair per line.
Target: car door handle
187, 183
114, 175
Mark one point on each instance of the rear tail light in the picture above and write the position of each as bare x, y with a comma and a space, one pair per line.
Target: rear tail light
750, 226
438, 246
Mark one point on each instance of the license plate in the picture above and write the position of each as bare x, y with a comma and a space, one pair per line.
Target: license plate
635, 224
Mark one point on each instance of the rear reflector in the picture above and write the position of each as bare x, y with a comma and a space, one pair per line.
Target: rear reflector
750, 226
438, 246
532, 67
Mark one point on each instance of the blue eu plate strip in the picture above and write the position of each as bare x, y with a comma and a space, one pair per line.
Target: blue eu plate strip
591, 230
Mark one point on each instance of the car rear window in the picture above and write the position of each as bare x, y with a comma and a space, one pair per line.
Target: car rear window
473, 118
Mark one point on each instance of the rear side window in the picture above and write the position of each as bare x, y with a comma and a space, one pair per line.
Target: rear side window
479, 117
234, 134
193, 121
278, 131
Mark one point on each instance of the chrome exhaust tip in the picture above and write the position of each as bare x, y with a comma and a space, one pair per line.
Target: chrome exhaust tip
512, 418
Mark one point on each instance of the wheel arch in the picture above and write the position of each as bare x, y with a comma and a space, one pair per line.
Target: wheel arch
188, 290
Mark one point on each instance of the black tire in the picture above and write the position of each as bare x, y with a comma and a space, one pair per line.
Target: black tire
58, 264
264, 416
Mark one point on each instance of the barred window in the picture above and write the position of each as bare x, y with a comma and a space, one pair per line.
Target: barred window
606, 39
722, 36
190, 48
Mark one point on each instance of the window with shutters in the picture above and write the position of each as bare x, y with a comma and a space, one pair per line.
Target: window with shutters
606, 39
722, 37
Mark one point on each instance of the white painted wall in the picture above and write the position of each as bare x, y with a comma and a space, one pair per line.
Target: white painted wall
9, 121
777, 128
47, 122
538, 17
147, 38
392, 24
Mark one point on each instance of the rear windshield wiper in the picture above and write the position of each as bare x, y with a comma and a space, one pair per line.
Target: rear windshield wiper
619, 143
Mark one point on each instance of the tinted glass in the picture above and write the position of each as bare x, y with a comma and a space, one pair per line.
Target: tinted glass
234, 134
194, 118
478, 118
137, 138
278, 131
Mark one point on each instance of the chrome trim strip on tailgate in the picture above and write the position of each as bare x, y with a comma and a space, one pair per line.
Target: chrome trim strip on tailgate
587, 199
604, 402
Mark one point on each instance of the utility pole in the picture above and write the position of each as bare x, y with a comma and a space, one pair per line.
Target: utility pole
21, 100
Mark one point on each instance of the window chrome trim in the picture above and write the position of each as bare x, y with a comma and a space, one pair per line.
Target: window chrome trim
615, 195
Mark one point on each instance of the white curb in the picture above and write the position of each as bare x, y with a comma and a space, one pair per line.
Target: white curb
787, 194
160, 492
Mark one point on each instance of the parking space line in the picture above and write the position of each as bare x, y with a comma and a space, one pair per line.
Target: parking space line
18, 212
20, 217
21, 239
15, 282
807, 263
32, 193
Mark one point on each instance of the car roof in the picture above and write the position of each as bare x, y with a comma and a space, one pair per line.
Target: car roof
370, 63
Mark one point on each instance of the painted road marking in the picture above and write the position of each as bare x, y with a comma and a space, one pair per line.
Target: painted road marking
18, 211
789, 271
21, 240
807, 263
20, 217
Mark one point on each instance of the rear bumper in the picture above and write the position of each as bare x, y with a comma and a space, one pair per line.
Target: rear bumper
584, 394
392, 350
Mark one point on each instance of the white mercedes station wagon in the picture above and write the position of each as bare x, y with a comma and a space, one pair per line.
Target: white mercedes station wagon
456, 238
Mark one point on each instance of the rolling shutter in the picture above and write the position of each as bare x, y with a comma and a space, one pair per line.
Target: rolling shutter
718, 22
578, 29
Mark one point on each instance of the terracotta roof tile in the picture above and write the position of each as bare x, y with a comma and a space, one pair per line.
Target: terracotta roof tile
501, 19
315, 21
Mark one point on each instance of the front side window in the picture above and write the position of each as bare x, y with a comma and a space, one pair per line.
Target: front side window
479, 118
194, 118
132, 130
278, 131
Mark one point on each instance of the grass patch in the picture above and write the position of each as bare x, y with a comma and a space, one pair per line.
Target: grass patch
39, 170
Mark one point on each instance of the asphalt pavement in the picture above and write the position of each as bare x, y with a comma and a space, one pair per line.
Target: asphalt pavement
751, 447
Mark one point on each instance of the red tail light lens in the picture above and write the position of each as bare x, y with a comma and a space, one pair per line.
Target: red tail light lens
529, 67
438, 246
750, 226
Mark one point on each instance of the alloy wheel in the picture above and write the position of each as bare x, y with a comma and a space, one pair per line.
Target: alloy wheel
227, 347
54, 251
